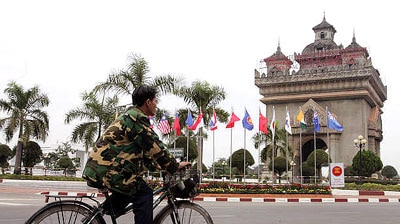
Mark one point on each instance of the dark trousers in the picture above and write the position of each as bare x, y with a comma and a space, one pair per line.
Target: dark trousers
143, 205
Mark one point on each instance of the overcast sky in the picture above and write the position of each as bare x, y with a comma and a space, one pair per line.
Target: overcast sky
67, 47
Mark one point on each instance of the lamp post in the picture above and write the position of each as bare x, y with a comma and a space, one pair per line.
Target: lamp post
292, 164
360, 143
223, 163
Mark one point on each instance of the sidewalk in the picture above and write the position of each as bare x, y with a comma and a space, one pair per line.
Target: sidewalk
80, 188
337, 196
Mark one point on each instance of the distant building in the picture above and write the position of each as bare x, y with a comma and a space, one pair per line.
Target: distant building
325, 76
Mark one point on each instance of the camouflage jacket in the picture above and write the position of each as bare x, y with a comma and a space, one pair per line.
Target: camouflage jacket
127, 146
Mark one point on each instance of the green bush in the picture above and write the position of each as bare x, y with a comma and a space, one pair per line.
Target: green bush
30, 177
227, 188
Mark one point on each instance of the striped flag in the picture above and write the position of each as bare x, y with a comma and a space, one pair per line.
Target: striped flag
163, 125
177, 125
300, 119
199, 122
213, 121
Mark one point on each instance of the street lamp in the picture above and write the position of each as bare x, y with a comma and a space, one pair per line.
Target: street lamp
360, 143
292, 164
223, 163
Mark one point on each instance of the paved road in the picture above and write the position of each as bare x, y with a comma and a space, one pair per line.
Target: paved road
16, 208
19, 200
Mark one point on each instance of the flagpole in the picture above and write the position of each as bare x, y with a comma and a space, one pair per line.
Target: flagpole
287, 137
187, 143
259, 155
329, 146
301, 158
230, 125
315, 159
230, 161
273, 146
315, 153
213, 168
244, 157
301, 152
189, 123
200, 158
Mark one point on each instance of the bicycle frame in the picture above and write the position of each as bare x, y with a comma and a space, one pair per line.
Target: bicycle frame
97, 211
164, 192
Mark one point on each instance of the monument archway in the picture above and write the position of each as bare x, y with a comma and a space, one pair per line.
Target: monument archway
308, 147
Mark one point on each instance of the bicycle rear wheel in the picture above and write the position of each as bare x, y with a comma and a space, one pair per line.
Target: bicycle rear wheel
189, 213
64, 212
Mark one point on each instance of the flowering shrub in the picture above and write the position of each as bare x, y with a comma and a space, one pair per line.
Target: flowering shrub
229, 188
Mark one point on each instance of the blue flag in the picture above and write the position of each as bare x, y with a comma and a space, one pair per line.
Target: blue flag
189, 120
247, 122
317, 126
333, 123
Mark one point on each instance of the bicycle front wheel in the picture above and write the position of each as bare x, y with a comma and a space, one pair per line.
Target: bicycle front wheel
64, 212
188, 213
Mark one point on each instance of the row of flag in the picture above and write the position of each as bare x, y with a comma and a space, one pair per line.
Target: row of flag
247, 122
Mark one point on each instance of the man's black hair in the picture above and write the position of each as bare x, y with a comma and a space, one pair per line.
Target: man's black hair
142, 93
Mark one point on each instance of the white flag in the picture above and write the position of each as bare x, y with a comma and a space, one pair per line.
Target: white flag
288, 128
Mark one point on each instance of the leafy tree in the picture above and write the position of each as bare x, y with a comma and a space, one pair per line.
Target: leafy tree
31, 155
320, 159
202, 96
137, 74
96, 115
370, 163
25, 116
66, 164
64, 149
238, 159
51, 159
389, 172
221, 167
5, 155
279, 145
258, 139
279, 166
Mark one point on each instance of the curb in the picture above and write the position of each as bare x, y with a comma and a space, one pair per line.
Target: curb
343, 197
296, 200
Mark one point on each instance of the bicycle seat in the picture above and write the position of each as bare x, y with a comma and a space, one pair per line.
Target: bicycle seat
94, 184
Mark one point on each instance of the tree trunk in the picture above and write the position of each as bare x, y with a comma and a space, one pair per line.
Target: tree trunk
18, 157
200, 154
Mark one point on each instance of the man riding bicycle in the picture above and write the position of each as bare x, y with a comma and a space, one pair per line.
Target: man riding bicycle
120, 155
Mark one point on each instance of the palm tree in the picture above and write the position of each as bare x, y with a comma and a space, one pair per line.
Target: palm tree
137, 74
25, 117
279, 144
96, 115
202, 96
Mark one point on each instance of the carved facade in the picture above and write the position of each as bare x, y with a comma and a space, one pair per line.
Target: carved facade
330, 77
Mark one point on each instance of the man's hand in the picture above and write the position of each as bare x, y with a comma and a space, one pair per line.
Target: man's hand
184, 165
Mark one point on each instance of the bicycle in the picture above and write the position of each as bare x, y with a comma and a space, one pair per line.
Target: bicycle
178, 189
